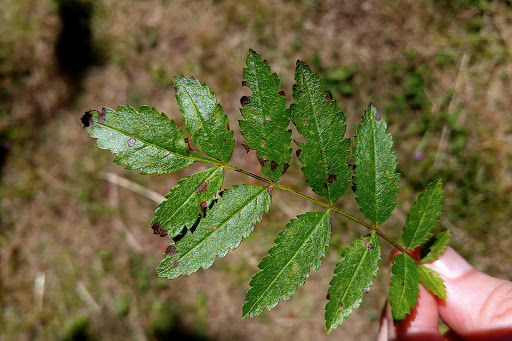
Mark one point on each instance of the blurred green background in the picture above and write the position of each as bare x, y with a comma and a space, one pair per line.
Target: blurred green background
77, 253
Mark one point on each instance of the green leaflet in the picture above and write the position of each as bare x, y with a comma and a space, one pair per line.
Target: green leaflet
354, 275
148, 140
298, 248
432, 281
375, 178
232, 218
404, 290
183, 204
325, 152
266, 120
435, 247
204, 118
423, 215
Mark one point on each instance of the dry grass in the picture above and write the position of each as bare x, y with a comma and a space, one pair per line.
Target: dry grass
77, 252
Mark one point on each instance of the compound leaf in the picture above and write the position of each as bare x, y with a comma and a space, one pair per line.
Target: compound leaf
145, 140
435, 247
298, 249
266, 120
375, 177
432, 281
423, 215
232, 218
325, 152
404, 290
353, 275
204, 118
186, 201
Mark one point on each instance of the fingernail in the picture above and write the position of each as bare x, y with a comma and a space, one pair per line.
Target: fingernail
450, 264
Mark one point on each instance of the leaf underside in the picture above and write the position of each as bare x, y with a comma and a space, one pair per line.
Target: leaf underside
354, 275
204, 118
432, 281
325, 152
232, 218
404, 290
182, 206
298, 249
423, 215
434, 250
145, 140
375, 177
265, 123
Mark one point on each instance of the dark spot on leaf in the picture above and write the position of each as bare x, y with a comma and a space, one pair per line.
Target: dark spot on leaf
221, 194
367, 235
273, 166
262, 161
354, 188
203, 206
246, 147
157, 229
202, 187
186, 140
321, 151
329, 96
244, 100
227, 126
327, 297
269, 190
261, 215
175, 89
131, 142
298, 152
325, 184
175, 265
289, 130
340, 306
282, 93
87, 119
366, 291
285, 167
171, 250
332, 178
244, 83
166, 152
304, 121
214, 227
102, 117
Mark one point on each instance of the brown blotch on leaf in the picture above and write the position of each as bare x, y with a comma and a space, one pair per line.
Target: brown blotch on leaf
340, 306
157, 229
246, 147
304, 121
366, 291
367, 244
102, 116
227, 126
203, 206
262, 213
244, 100
332, 178
282, 93
175, 89
131, 142
329, 96
262, 161
214, 227
298, 152
327, 297
87, 119
273, 166
175, 265
285, 167
244, 83
171, 250
201, 188
269, 190
166, 152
